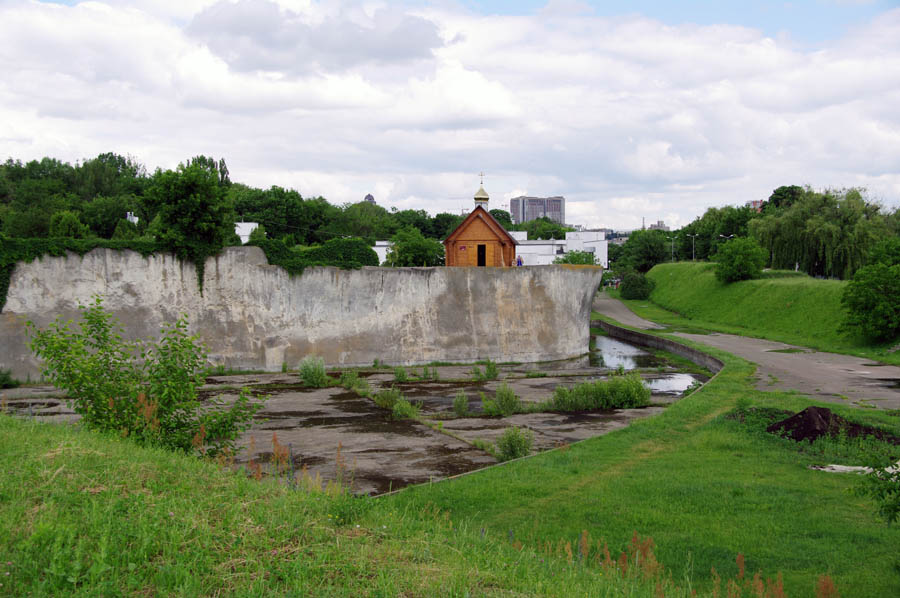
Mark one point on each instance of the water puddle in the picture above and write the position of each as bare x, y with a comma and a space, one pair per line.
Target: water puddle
612, 354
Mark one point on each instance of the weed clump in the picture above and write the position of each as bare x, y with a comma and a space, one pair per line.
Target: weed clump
312, 372
491, 372
400, 374
461, 404
514, 443
619, 391
387, 398
403, 409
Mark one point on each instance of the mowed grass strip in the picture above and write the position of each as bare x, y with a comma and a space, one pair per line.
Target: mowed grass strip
703, 487
783, 306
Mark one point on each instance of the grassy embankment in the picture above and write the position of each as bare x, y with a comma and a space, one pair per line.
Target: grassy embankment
704, 487
783, 306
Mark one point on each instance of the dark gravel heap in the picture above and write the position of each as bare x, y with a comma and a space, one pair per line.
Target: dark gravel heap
814, 422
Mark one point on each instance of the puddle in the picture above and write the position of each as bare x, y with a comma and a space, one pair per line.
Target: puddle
672, 384
612, 353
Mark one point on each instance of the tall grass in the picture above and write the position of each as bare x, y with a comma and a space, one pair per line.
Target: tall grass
312, 372
620, 391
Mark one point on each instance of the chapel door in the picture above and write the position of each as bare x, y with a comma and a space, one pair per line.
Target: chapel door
482, 255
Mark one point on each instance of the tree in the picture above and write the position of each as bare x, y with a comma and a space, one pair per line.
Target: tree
543, 228
886, 252
785, 196
67, 224
740, 259
411, 248
577, 257
195, 218
872, 301
443, 224
257, 234
503, 217
644, 249
102, 214
125, 230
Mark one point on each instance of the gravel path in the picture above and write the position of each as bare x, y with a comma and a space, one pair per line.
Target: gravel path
825, 376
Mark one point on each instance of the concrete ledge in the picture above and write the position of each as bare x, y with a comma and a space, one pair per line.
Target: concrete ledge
656, 342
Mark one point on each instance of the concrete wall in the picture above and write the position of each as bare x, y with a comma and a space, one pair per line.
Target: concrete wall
253, 315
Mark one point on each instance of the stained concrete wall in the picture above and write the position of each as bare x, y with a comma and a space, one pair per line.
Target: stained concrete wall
255, 316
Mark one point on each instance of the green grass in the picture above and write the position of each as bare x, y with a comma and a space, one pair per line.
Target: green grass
704, 487
86, 515
783, 306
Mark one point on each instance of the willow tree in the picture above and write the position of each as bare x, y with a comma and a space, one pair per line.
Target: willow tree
823, 234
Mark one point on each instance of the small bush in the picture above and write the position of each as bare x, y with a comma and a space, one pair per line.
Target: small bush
312, 372
507, 401
400, 374
740, 259
619, 391
143, 390
403, 409
7, 381
489, 406
350, 379
635, 286
387, 398
461, 404
514, 443
490, 370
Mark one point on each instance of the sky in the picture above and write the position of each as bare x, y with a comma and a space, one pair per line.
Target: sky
638, 111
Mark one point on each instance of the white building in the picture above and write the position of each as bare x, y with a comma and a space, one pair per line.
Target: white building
243, 230
382, 248
542, 252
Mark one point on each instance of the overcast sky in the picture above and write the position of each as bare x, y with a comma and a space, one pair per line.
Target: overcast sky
657, 110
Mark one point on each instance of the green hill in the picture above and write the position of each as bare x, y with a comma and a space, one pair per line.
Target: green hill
784, 306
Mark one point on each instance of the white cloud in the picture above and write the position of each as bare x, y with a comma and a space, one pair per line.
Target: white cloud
625, 116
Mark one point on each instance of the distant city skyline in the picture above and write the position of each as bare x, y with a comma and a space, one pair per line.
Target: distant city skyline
657, 110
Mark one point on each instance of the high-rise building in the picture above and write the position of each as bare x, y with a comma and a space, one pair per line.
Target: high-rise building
523, 208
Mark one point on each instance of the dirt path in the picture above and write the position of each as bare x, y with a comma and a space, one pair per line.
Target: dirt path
826, 376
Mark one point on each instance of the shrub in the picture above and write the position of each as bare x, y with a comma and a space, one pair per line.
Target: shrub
144, 390
403, 409
635, 286
490, 370
514, 443
7, 381
506, 400
312, 372
387, 398
400, 374
882, 484
619, 391
872, 301
740, 259
349, 379
461, 404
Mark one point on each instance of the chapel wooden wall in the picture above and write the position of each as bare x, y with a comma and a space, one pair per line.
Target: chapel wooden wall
463, 249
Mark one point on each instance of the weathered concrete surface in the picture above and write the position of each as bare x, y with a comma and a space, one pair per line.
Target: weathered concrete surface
256, 316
